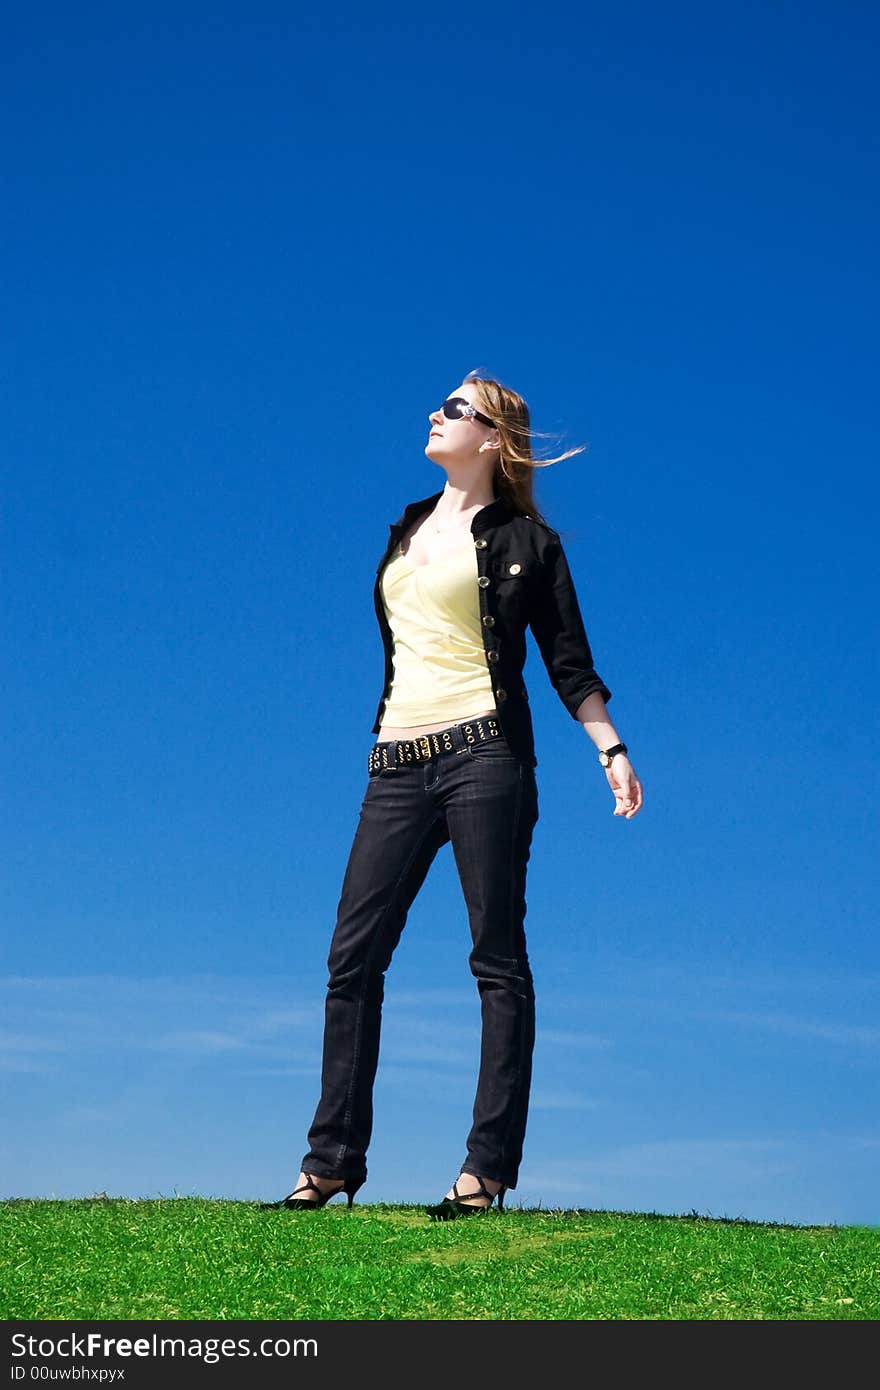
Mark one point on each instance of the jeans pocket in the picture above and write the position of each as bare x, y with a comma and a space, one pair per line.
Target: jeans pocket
492, 750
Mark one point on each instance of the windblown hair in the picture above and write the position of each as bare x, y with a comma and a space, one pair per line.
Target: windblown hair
514, 470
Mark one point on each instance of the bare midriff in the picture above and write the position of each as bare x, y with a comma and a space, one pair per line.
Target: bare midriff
385, 735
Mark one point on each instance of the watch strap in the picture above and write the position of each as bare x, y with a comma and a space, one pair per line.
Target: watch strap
606, 754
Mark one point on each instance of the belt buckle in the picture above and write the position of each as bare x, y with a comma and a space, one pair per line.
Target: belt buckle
425, 745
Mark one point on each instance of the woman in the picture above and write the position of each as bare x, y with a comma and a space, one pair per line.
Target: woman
465, 571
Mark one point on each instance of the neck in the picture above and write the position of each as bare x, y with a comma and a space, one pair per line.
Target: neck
458, 498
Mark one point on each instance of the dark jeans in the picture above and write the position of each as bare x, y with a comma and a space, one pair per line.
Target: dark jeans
483, 799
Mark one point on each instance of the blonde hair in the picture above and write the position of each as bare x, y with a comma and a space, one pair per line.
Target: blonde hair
515, 466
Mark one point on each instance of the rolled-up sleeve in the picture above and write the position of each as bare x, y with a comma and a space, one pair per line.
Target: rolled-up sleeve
559, 631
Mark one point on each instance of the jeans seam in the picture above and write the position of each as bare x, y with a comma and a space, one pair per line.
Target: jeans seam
349, 1099
522, 1038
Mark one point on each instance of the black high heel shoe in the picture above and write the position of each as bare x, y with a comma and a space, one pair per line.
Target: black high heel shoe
294, 1203
459, 1205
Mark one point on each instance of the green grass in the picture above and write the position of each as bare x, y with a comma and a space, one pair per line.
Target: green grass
189, 1258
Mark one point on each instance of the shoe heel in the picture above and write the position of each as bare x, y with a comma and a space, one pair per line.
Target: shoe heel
452, 1207
296, 1203
350, 1187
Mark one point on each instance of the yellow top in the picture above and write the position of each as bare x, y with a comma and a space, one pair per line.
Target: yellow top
440, 667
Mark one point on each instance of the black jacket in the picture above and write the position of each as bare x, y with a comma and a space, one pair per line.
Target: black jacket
524, 581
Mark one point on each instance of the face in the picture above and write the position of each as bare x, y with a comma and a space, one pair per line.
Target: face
458, 441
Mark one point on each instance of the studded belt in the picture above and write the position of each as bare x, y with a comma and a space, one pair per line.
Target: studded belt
455, 739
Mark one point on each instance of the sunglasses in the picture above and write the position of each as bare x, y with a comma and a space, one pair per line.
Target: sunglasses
457, 408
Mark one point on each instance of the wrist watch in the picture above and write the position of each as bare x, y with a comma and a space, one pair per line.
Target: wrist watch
606, 754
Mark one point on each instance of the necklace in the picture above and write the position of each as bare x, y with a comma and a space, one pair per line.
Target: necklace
459, 525
447, 530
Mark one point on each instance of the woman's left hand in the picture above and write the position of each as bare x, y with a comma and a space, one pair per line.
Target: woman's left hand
626, 786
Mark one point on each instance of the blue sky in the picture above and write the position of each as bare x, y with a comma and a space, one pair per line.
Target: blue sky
246, 251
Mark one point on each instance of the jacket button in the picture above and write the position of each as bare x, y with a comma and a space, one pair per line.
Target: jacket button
500, 694
492, 655
483, 581
481, 544
515, 569
488, 621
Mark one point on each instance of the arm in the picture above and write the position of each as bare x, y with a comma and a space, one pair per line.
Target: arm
559, 630
558, 627
593, 715
560, 635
